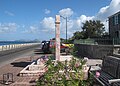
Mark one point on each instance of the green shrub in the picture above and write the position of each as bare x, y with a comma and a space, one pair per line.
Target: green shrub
53, 77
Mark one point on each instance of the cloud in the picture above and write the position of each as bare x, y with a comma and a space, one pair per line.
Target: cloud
48, 24
23, 26
82, 19
107, 11
67, 12
76, 24
32, 30
102, 15
45, 30
47, 11
9, 13
8, 27
70, 25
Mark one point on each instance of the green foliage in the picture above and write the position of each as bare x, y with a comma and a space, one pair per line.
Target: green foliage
52, 49
93, 28
60, 74
90, 29
61, 39
78, 35
74, 51
52, 57
69, 41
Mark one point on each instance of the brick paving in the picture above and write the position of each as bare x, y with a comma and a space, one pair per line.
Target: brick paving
15, 67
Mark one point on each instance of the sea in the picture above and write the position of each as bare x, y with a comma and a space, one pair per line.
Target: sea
15, 42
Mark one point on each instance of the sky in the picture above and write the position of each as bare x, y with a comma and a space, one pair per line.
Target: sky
35, 19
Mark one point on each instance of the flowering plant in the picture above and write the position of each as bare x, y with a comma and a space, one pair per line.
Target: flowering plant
97, 74
67, 73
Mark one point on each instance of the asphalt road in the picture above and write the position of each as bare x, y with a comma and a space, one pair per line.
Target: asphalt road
13, 56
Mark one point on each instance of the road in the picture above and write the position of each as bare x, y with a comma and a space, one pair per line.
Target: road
13, 56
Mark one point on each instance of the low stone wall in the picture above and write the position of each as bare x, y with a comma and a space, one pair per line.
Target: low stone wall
14, 46
7, 52
94, 51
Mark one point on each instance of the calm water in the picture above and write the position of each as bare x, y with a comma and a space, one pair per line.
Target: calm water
14, 42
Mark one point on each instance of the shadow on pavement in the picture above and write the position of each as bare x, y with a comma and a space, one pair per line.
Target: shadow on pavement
38, 50
1, 82
20, 64
39, 53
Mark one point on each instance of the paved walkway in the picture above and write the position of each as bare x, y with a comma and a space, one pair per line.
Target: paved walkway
93, 62
13, 56
15, 67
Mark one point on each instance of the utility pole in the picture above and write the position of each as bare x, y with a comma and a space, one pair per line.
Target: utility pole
66, 29
66, 25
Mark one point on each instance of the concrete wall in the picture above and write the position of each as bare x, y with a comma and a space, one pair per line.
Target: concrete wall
94, 51
7, 52
14, 46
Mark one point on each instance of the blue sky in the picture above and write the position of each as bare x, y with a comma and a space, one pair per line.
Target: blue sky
34, 19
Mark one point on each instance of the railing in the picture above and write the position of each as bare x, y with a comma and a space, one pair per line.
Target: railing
108, 41
102, 41
84, 41
14, 46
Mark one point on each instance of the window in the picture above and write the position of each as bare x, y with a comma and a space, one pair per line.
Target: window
113, 20
119, 18
117, 34
116, 19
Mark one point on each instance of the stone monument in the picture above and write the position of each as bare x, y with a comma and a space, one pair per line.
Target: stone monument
57, 29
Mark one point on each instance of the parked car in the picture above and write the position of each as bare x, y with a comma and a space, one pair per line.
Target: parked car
49, 46
53, 44
45, 46
42, 43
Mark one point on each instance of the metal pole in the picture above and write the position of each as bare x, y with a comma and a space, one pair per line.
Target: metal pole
66, 29
66, 25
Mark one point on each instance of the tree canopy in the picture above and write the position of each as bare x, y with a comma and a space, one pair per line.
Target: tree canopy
90, 29
77, 35
93, 28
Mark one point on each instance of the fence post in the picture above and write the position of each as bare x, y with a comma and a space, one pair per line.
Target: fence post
2, 48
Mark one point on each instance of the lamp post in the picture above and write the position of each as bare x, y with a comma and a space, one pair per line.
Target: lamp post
66, 25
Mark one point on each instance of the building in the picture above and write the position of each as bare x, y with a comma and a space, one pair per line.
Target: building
114, 25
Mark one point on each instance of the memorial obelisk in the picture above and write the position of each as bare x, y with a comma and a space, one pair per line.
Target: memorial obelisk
57, 36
